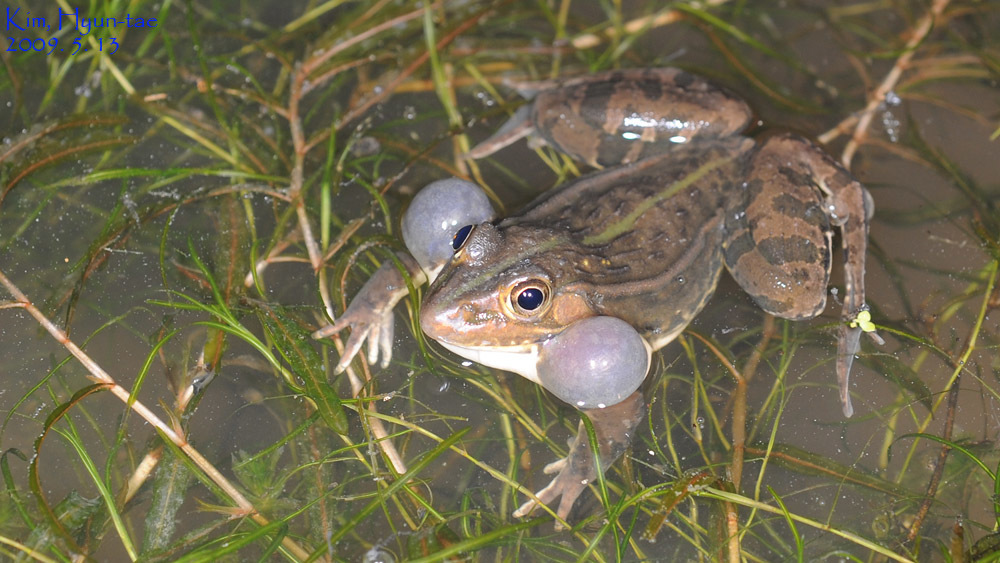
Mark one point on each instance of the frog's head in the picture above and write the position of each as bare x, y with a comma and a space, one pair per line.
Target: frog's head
503, 294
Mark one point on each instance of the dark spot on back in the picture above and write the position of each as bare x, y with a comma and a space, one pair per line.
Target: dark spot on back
737, 247
594, 102
781, 250
612, 150
808, 211
683, 79
594, 113
795, 177
652, 89
772, 306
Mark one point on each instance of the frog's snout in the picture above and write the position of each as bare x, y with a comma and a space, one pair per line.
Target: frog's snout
463, 324
432, 319
441, 322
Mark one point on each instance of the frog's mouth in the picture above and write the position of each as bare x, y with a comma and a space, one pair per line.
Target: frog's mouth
522, 360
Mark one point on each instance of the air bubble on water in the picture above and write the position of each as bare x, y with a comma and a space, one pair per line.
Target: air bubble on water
409, 113
485, 98
891, 124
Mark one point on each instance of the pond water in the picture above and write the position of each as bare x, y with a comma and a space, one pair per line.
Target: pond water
133, 180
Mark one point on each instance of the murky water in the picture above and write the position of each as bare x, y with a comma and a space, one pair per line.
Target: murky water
105, 257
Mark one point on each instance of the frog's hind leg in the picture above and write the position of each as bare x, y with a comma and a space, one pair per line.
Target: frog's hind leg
778, 242
518, 126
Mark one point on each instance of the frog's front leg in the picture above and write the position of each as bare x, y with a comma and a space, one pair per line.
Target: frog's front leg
778, 237
369, 316
437, 212
614, 427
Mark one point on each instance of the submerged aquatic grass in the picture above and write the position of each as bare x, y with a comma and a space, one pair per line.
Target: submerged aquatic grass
180, 214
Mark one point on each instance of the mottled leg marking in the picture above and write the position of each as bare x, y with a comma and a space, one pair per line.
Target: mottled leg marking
778, 237
798, 165
614, 427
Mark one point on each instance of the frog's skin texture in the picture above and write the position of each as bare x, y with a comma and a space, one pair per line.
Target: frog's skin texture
644, 241
618, 117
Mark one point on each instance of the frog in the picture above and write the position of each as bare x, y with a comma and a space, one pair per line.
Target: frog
579, 288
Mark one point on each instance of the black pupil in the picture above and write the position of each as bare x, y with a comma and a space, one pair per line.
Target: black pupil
530, 299
460, 237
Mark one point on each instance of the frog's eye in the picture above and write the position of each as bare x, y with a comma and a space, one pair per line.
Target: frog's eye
528, 297
460, 238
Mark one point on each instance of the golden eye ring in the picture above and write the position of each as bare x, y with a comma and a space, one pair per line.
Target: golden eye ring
529, 298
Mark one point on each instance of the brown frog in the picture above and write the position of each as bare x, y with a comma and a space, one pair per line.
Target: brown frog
577, 289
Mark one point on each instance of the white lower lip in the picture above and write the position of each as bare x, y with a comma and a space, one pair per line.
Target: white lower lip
520, 360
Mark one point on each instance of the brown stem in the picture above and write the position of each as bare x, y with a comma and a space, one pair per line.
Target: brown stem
295, 186
942, 457
739, 424
919, 33
404, 75
168, 431
312, 64
732, 533
638, 25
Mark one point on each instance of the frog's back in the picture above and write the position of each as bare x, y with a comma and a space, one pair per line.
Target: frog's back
644, 240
